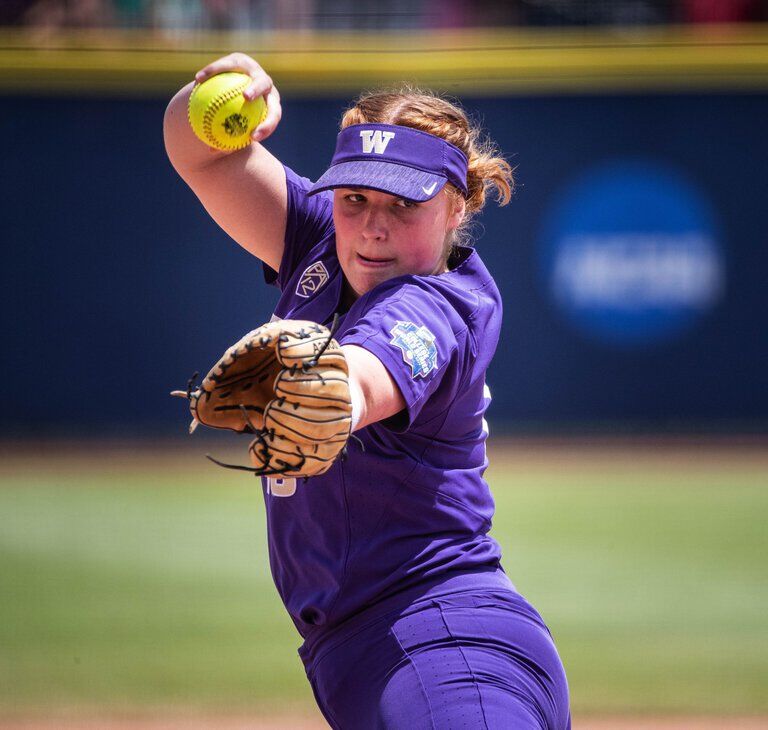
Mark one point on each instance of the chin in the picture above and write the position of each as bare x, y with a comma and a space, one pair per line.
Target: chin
364, 281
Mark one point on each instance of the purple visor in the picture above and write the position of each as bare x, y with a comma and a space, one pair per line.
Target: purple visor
392, 159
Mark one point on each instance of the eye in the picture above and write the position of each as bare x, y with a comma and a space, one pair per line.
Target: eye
354, 198
405, 203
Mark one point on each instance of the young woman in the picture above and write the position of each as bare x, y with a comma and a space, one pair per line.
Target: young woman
384, 562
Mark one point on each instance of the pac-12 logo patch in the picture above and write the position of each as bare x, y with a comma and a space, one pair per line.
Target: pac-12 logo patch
312, 280
417, 344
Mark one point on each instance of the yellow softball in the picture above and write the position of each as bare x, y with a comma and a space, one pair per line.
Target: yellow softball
219, 113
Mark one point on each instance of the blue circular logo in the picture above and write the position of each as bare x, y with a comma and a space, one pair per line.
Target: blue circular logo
630, 253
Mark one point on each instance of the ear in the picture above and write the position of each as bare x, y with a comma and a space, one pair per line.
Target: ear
456, 216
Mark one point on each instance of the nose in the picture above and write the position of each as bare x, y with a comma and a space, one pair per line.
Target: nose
374, 226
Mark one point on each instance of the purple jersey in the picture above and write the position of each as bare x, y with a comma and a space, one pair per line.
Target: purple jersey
413, 505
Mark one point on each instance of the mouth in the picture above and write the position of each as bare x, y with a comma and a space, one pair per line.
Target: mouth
375, 262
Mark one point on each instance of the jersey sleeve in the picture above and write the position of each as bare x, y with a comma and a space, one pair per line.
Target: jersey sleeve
418, 337
309, 219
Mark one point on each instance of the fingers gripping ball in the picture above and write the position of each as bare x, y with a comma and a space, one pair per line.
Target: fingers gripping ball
288, 383
219, 113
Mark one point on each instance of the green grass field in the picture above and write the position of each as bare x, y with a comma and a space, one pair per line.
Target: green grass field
130, 585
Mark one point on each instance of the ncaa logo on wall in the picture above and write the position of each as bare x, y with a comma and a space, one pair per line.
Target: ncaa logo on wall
630, 253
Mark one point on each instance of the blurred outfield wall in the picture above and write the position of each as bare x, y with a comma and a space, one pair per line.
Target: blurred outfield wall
632, 260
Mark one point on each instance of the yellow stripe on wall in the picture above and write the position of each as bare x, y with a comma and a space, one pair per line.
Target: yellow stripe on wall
480, 62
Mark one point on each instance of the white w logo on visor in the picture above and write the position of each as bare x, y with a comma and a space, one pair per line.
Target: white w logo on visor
375, 140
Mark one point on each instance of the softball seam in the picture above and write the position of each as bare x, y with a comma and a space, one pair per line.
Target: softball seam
216, 104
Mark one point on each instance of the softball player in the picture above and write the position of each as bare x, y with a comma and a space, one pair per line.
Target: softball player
384, 562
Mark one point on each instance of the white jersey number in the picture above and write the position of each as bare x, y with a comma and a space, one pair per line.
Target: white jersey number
281, 486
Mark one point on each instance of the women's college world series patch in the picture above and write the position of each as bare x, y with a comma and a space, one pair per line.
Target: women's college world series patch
417, 344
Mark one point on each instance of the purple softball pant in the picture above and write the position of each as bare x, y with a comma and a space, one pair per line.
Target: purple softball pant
477, 659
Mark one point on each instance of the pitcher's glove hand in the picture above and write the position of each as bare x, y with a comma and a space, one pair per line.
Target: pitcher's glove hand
288, 383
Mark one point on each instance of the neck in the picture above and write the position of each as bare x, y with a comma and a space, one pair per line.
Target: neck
348, 296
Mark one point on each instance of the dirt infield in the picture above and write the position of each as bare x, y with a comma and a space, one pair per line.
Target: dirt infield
510, 454
304, 723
